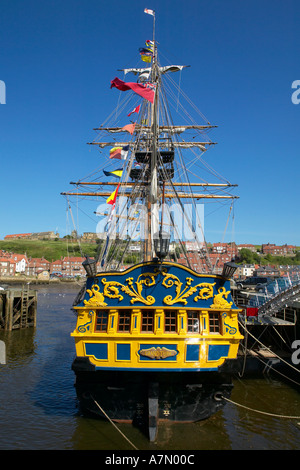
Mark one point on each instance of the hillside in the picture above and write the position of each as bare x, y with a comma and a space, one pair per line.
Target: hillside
51, 250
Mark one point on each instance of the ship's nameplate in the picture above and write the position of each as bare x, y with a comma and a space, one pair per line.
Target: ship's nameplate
156, 353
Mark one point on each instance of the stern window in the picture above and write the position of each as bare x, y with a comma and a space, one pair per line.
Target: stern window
148, 321
193, 322
214, 322
124, 321
101, 321
170, 321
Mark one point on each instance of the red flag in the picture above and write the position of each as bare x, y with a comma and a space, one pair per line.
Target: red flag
129, 128
145, 91
135, 110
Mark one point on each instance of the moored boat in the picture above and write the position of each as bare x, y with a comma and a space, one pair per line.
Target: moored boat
158, 339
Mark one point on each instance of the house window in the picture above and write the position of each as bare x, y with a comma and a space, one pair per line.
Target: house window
193, 322
214, 322
124, 321
101, 321
170, 321
148, 321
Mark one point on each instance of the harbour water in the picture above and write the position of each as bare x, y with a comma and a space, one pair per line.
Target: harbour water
38, 405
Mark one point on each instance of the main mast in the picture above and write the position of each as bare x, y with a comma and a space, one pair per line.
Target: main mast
153, 190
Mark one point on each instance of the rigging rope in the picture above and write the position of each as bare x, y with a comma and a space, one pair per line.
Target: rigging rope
78, 240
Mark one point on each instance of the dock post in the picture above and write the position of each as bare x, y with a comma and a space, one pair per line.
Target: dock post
2, 353
18, 309
9, 310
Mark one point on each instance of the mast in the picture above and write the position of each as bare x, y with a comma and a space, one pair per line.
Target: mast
153, 194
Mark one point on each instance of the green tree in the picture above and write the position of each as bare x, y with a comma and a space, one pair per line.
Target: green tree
246, 256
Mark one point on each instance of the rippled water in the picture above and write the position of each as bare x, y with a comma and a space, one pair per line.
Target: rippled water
38, 406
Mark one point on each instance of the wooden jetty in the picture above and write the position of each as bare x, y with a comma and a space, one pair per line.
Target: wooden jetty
18, 308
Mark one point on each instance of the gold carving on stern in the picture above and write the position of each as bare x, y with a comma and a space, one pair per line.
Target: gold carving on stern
206, 289
219, 301
111, 288
96, 297
158, 353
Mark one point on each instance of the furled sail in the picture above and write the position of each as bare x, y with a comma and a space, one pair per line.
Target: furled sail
167, 129
144, 73
186, 145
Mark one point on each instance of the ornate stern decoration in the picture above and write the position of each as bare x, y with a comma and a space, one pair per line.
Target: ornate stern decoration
158, 353
96, 297
205, 289
134, 289
229, 328
219, 301
111, 288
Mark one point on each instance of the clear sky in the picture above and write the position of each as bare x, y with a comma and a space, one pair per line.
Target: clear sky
57, 59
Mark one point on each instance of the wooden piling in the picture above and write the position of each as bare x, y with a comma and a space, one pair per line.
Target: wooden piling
18, 308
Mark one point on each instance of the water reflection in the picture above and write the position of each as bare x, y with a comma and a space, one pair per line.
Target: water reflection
20, 346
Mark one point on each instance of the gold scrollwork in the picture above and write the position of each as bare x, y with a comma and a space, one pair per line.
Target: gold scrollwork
86, 326
205, 289
229, 328
111, 288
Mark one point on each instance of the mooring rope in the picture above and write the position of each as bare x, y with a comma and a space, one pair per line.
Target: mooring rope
261, 412
116, 427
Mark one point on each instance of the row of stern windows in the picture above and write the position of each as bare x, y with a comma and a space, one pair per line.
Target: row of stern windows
170, 321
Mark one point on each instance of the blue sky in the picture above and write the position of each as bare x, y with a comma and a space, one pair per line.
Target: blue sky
57, 59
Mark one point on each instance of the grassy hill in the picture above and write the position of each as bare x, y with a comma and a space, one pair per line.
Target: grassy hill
51, 250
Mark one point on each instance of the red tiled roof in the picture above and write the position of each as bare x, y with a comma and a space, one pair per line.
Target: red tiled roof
73, 258
18, 235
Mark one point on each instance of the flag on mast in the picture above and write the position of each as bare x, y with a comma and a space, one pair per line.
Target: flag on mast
129, 128
145, 91
120, 152
114, 173
150, 12
135, 110
113, 197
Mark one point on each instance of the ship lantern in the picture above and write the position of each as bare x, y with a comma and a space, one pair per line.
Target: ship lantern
229, 269
90, 266
161, 244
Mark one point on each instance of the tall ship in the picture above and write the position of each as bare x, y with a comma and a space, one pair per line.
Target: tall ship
157, 332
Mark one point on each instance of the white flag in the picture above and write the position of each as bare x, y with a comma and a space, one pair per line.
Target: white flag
150, 12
